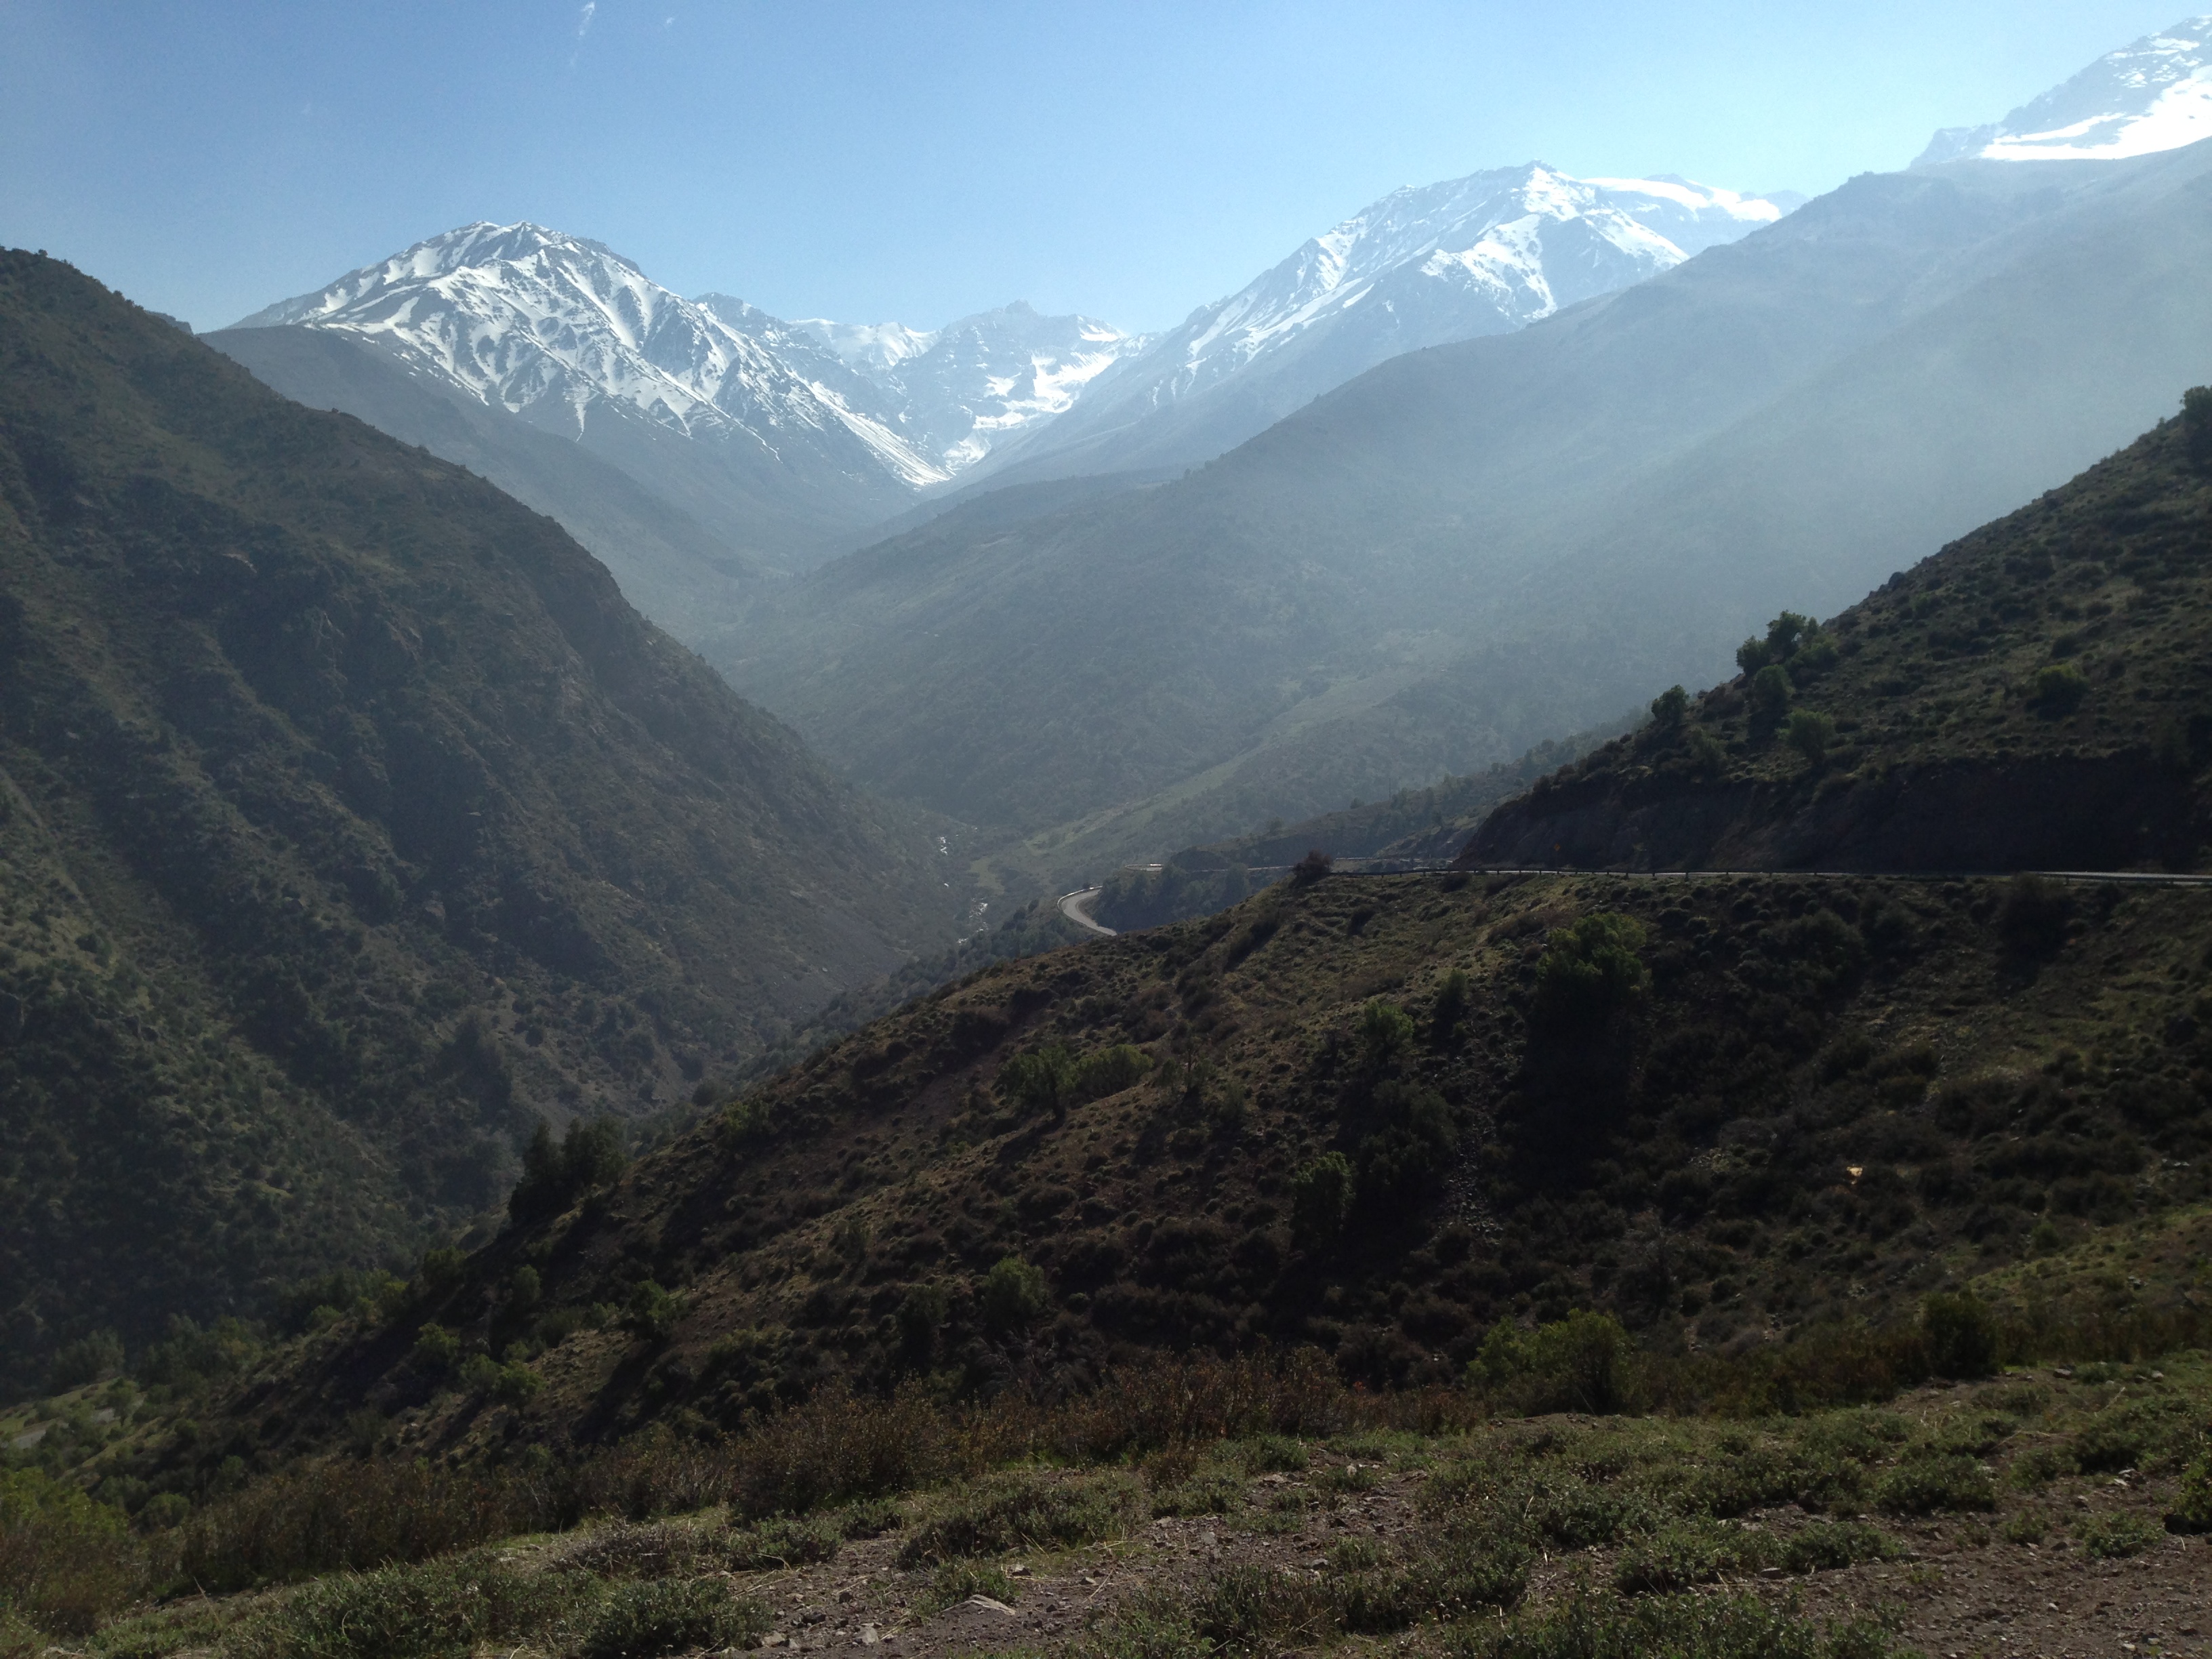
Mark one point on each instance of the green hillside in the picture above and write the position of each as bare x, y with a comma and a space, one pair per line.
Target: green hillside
1377, 1115
351, 822
2036, 695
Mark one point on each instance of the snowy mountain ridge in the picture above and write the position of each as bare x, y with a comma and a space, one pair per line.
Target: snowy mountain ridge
554, 328
2151, 95
1425, 266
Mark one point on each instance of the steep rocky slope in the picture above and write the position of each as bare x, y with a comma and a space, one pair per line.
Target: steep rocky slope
352, 820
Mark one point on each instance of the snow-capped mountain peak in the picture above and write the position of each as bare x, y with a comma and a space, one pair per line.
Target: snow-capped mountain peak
2154, 94
963, 389
554, 327
1485, 237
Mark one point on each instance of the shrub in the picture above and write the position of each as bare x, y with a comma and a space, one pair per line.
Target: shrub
589, 1156
430, 1612
653, 1310
1812, 735
85, 1360
1111, 1071
1770, 697
634, 1552
2057, 690
954, 1582
1590, 970
645, 1620
437, 1350
2119, 1532
2192, 1505
1385, 1032
1670, 709
1322, 1194
1455, 992
1014, 1294
1586, 1626
1583, 1363
1041, 1080
1025, 1510
1961, 1333
2033, 918
2196, 424
1311, 868
782, 1541
1827, 1545
1924, 1482
1688, 1552
65, 1561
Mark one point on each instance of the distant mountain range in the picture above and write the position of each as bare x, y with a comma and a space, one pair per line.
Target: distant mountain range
1485, 254
765, 444
2154, 95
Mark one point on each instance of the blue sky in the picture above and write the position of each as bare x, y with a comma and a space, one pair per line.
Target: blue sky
876, 161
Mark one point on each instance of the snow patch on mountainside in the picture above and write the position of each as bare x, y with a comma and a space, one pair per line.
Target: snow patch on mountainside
547, 325
2154, 94
962, 389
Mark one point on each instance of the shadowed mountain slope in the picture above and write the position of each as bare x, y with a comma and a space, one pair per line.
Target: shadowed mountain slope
668, 565
352, 821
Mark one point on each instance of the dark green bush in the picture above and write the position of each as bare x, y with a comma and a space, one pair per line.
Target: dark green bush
1015, 1295
2057, 690
428, 1611
1590, 970
1583, 1363
1024, 1510
2119, 1532
1961, 1333
645, 1620
1812, 735
554, 1177
65, 1562
783, 1542
1586, 1626
2192, 1504
1924, 1483
1321, 1194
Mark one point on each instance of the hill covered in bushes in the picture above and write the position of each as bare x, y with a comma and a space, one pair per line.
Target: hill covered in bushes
349, 821
2037, 694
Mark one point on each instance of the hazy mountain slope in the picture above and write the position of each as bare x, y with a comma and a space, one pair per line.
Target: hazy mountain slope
2154, 94
667, 564
2039, 694
1469, 256
1527, 530
352, 820
567, 335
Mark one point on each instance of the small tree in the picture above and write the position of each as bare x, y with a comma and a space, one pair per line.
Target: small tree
1014, 1294
1590, 970
2196, 423
1770, 697
1311, 868
1670, 709
1811, 735
1961, 1333
1041, 1080
2057, 690
1453, 996
1321, 1198
1385, 1031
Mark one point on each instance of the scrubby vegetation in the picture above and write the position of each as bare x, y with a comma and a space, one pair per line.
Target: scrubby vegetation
351, 823
2036, 694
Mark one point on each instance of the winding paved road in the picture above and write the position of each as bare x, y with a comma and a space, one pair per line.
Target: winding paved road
1076, 907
